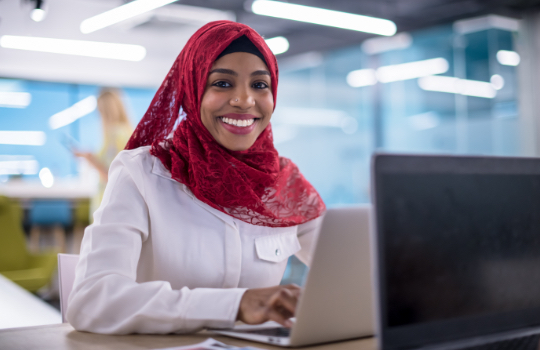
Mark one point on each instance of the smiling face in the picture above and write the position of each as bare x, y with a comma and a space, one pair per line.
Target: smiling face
237, 104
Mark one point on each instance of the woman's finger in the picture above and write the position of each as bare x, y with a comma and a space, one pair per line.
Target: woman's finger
274, 315
284, 301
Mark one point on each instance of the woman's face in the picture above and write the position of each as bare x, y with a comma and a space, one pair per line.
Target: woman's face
237, 104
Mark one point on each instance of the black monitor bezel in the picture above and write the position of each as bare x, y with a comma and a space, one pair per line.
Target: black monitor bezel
418, 335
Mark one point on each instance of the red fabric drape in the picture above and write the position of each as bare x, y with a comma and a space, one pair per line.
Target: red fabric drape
256, 186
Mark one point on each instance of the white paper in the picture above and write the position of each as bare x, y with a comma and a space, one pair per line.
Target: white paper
210, 344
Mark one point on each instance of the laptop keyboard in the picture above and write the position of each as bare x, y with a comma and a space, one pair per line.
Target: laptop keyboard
529, 342
274, 332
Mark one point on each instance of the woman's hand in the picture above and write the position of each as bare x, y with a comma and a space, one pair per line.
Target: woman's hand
103, 171
275, 303
86, 155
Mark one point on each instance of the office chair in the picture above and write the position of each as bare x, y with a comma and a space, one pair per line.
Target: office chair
81, 219
30, 271
66, 274
56, 214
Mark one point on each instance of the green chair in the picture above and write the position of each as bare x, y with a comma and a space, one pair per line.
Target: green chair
30, 271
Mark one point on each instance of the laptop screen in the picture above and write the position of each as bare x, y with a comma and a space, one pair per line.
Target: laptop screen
458, 246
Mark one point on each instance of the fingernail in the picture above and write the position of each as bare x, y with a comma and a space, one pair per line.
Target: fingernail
288, 323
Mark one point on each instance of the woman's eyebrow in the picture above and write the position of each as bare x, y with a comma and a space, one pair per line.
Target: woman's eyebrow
260, 72
224, 71
233, 73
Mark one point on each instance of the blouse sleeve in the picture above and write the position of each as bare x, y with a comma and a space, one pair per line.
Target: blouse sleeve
307, 235
106, 298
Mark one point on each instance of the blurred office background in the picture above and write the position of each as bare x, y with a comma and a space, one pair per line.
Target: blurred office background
454, 76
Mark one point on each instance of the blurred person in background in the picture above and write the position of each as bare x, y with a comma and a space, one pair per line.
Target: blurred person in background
117, 130
197, 223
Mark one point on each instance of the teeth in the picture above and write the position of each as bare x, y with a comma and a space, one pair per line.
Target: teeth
237, 122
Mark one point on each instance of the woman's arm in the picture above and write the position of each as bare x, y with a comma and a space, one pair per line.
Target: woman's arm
92, 159
106, 296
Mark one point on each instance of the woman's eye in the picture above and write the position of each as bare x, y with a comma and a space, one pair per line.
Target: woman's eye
260, 85
222, 84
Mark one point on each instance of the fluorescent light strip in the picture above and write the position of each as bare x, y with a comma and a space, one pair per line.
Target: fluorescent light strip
362, 77
278, 44
13, 99
508, 58
412, 70
97, 49
457, 86
191, 14
28, 138
384, 44
397, 72
324, 17
121, 13
69, 115
14, 167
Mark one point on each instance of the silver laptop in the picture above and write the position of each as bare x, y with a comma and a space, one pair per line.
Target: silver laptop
336, 303
457, 252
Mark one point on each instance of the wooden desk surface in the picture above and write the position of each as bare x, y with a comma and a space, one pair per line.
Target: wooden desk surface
64, 337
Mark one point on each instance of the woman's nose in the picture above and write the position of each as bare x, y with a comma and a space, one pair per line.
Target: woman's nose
242, 99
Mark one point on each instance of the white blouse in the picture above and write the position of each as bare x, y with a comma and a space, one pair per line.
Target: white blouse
158, 260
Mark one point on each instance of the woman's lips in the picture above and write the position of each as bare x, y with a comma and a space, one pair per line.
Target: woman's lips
239, 130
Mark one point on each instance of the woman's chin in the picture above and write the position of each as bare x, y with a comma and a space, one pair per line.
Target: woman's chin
237, 146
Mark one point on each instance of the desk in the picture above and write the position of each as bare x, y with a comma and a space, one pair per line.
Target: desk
63, 337
20, 308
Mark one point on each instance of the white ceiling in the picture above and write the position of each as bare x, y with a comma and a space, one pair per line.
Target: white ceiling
163, 41
163, 36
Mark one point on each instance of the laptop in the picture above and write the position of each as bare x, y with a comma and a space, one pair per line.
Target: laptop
336, 303
456, 252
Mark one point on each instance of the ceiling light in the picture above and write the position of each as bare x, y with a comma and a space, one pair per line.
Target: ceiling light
508, 58
38, 13
97, 49
383, 44
412, 70
13, 165
278, 44
15, 99
457, 86
361, 77
497, 81
69, 115
324, 17
120, 13
28, 138
46, 177
192, 14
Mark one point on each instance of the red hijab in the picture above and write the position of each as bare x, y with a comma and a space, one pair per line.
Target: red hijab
256, 186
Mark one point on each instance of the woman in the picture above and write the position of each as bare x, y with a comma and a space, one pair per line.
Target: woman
196, 224
116, 132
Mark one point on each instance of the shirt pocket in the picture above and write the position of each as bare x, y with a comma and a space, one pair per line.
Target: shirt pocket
277, 247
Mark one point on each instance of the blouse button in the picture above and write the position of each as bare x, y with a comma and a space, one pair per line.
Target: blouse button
278, 252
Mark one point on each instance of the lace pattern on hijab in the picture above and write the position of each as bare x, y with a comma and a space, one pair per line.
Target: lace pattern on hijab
255, 186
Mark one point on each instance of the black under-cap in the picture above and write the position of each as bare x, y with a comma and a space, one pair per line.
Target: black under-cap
242, 44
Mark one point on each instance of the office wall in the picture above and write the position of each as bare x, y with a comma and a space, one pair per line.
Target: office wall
321, 122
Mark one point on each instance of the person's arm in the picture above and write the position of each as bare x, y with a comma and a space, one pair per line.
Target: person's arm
279, 303
106, 297
92, 159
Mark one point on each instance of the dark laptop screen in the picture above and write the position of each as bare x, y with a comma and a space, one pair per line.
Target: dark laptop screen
459, 247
